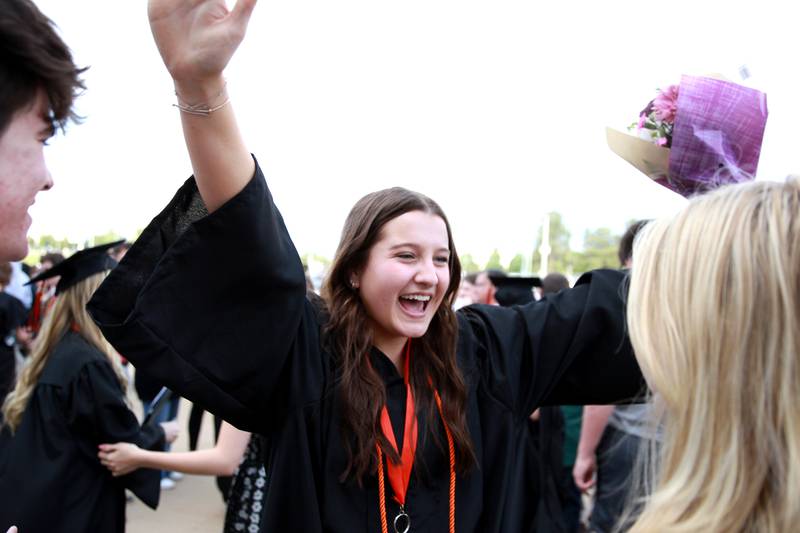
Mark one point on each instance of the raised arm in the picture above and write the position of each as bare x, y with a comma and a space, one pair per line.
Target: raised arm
213, 304
196, 39
221, 460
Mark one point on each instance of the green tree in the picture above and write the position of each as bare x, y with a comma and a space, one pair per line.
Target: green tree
48, 242
468, 264
515, 265
494, 261
66, 244
599, 250
106, 238
561, 255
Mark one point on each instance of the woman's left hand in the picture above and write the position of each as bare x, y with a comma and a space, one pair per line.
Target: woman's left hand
119, 458
197, 39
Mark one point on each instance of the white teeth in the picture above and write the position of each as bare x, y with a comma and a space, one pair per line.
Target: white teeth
418, 297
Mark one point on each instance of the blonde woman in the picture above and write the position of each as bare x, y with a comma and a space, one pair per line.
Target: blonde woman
69, 399
714, 318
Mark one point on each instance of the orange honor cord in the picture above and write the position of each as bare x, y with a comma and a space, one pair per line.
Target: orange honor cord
400, 475
452, 452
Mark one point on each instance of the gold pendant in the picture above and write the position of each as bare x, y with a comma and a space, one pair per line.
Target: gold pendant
402, 520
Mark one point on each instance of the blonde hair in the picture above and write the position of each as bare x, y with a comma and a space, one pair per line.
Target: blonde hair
68, 310
714, 321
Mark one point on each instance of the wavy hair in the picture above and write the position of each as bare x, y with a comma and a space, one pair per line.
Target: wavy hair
714, 318
68, 310
361, 389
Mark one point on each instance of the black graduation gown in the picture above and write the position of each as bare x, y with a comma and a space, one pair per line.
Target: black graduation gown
215, 307
50, 477
12, 315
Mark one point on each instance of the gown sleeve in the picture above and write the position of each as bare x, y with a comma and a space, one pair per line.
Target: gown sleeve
213, 306
568, 348
97, 412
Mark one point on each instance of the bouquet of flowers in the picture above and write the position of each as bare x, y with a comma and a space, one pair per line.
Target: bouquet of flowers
658, 118
698, 135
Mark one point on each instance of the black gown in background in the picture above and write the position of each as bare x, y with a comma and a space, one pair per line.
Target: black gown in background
215, 307
12, 315
50, 477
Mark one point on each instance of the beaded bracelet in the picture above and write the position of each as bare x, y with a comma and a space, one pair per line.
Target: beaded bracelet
202, 110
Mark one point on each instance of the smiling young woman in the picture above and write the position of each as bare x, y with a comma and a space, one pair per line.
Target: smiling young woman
395, 266
384, 408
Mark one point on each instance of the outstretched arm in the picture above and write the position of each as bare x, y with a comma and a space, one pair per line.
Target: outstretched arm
196, 40
221, 460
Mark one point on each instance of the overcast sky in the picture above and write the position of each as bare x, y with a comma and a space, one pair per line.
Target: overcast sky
496, 109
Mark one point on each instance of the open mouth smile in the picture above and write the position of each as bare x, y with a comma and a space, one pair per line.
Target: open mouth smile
415, 304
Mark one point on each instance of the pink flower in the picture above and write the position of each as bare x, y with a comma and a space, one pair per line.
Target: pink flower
665, 104
642, 118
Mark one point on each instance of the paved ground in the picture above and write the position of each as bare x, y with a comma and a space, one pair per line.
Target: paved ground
194, 505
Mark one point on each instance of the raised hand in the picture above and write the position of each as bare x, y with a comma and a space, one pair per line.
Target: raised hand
197, 38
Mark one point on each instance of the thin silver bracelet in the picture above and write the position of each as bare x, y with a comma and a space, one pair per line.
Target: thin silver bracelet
202, 110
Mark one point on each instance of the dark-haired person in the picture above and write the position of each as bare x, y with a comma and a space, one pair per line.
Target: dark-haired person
484, 288
383, 407
38, 82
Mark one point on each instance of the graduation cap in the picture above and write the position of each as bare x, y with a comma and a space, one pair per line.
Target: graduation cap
514, 290
79, 266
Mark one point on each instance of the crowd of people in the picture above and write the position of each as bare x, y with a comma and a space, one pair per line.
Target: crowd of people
402, 395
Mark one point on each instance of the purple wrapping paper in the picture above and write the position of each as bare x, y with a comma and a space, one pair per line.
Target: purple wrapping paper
719, 127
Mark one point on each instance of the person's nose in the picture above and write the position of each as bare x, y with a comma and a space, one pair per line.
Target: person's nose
426, 274
48, 183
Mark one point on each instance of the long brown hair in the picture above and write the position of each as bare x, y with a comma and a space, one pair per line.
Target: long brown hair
361, 389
